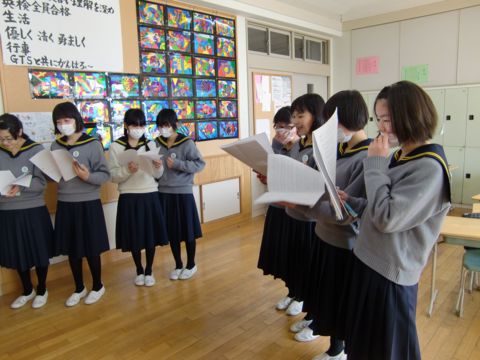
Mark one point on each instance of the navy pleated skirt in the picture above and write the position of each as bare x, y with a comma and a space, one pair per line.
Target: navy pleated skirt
380, 321
80, 229
140, 222
181, 217
273, 250
27, 238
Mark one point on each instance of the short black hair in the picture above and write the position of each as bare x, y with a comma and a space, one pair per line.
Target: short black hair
283, 115
12, 124
352, 111
314, 104
167, 117
67, 110
135, 117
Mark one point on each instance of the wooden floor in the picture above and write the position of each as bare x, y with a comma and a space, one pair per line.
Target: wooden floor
225, 312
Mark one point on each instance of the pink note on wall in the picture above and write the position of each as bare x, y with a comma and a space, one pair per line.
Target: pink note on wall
367, 65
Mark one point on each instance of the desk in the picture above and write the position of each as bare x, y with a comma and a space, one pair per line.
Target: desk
456, 231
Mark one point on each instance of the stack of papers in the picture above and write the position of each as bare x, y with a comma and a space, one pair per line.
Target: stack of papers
56, 164
144, 159
7, 180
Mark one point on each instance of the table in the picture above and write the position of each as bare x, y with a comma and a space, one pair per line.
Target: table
456, 231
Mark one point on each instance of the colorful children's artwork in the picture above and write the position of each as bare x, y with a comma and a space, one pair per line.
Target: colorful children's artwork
206, 109
227, 88
225, 27
93, 111
101, 132
118, 131
179, 41
225, 47
187, 129
124, 86
203, 23
183, 108
181, 87
203, 44
228, 129
205, 88
226, 68
118, 108
151, 108
152, 38
204, 67
180, 64
151, 131
153, 63
154, 86
90, 85
50, 84
179, 18
207, 130
227, 109
150, 13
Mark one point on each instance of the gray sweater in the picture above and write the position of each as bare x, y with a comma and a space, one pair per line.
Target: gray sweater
30, 197
87, 151
187, 162
406, 207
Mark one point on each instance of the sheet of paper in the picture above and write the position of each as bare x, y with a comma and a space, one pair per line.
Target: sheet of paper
23, 180
6, 179
46, 163
127, 156
64, 161
325, 155
252, 151
292, 181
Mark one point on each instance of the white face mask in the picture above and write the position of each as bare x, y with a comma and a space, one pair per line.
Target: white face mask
342, 137
136, 133
392, 140
166, 132
66, 129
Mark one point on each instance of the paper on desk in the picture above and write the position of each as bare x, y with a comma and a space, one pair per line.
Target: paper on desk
291, 181
325, 155
7, 180
252, 151
44, 161
144, 160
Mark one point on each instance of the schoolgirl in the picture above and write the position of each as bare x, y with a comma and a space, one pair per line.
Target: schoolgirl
181, 161
80, 229
140, 222
27, 233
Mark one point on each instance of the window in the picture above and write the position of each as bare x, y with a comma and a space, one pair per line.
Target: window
279, 43
257, 39
299, 49
314, 50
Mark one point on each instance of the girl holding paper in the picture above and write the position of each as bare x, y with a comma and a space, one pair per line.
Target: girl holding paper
182, 161
140, 220
27, 233
80, 229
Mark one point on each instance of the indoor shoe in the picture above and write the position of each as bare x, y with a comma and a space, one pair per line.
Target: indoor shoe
305, 335
40, 300
175, 274
149, 280
294, 308
188, 273
94, 296
74, 299
325, 356
300, 325
140, 280
22, 300
283, 303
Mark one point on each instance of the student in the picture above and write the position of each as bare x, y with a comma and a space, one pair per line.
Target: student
181, 161
80, 229
140, 222
408, 197
273, 253
332, 249
25, 223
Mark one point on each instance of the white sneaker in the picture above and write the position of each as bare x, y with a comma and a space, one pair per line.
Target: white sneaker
94, 296
74, 299
325, 356
149, 280
283, 303
294, 308
140, 280
188, 273
300, 325
175, 274
40, 300
305, 335
22, 300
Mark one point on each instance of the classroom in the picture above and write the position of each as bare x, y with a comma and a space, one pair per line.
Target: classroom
187, 99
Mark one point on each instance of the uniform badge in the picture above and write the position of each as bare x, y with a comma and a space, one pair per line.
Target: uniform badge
24, 169
76, 154
305, 159
173, 156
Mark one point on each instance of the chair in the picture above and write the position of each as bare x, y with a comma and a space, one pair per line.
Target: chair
470, 266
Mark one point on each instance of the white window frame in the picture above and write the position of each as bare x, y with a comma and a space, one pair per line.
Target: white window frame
259, 27
281, 32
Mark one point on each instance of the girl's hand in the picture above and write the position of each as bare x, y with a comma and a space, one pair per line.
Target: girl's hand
157, 164
14, 190
81, 170
342, 195
170, 162
286, 204
262, 178
379, 146
132, 167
